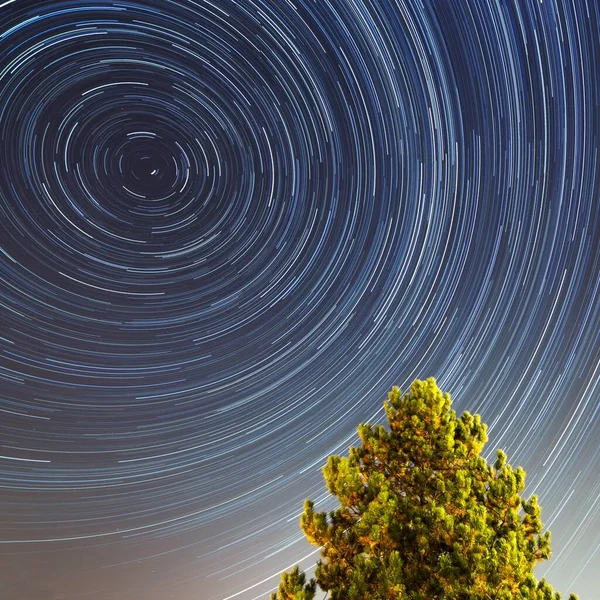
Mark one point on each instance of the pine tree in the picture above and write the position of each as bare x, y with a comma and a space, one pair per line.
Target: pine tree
293, 586
422, 514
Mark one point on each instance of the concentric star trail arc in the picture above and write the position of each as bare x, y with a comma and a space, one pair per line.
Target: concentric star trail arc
228, 228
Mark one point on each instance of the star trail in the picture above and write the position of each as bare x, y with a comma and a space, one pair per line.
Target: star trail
227, 228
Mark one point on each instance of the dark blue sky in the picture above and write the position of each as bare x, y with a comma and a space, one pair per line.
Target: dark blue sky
228, 228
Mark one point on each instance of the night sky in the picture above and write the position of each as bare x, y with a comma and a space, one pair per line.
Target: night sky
227, 228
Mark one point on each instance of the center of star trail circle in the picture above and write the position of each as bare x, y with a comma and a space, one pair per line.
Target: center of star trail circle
149, 169
145, 169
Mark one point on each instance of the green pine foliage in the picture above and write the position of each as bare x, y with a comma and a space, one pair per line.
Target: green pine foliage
293, 586
422, 514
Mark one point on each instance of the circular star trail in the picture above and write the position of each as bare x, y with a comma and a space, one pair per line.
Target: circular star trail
228, 228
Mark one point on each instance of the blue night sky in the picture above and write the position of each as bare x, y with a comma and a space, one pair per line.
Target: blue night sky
227, 228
